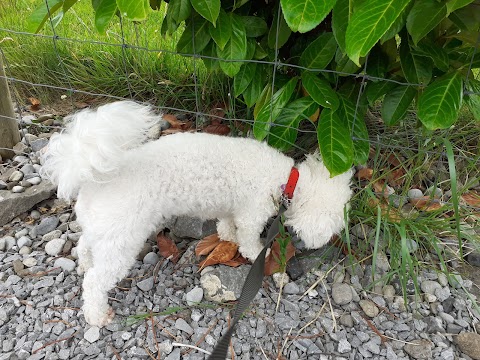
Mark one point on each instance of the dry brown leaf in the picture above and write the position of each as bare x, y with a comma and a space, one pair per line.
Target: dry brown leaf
396, 177
272, 261
364, 174
315, 115
223, 252
80, 105
426, 203
388, 212
207, 244
177, 124
236, 261
217, 114
167, 247
381, 189
472, 198
218, 129
35, 103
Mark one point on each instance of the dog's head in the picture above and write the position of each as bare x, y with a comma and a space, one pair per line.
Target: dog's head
317, 209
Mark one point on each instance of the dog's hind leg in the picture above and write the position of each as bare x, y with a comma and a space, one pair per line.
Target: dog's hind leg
113, 256
226, 229
249, 229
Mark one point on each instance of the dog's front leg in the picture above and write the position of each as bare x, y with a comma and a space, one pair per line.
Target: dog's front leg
248, 235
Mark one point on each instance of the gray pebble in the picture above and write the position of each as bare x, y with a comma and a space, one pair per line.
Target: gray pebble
151, 258
65, 263
7, 242
27, 169
54, 247
18, 189
146, 285
16, 176
182, 325
344, 346
55, 234
46, 225
92, 334
194, 296
369, 308
341, 293
38, 144
24, 241
414, 194
34, 180
291, 288
430, 286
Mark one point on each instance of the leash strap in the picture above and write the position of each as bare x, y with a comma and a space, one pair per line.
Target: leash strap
252, 284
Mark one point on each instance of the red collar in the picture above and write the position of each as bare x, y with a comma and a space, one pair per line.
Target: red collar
289, 188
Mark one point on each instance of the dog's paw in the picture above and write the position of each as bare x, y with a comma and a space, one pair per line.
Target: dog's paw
98, 318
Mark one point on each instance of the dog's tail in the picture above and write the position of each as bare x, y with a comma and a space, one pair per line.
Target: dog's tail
93, 145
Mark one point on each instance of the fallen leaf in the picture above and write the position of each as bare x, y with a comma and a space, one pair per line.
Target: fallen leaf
173, 121
223, 252
80, 105
35, 103
426, 203
471, 198
217, 114
218, 129
382, 189
397, 176
386, 211
167, 247
273, 260
207, 244
236, 261
364, 174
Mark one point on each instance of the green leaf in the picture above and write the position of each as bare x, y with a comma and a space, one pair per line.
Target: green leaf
211, 51
336, 145
341, 14
320, 52
355, 118
377, 64
453, 5
424, 16
434, 52
343, 64
223, 30
104, 14
180, 10
369, 23
67, 4
319, 90
283, 32
251, 48
198, 30
305, 15
253, 92
134, 10
396, 104
244, 77
235, 49
37, 18
467, 18
155, 4
255, 26
398, 25
270, 110
285, 129
416, 69
375, 90
208, 9
473, 100
440, 103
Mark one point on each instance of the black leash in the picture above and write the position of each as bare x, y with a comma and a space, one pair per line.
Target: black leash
252, 284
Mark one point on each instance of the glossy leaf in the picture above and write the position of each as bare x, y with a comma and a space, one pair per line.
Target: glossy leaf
424, 16
265, 96
104, 14
180, 10
222, 32
198, 29
467, 18
341, 14
320, 52
244, 78
208, 9
134, 10
272, 108
235, 49
375, 90
254, 90
440, 103
398, 25
336, 145
320, 90
305, 15
416, 69
453, 5
254, 26
211, 51
284, 131
37, 18
369, 23
396, 103
436, 53
279, 29
357, 128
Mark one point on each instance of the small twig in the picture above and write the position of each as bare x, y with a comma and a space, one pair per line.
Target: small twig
191, 346
280, 292
117, 355
54, 342
263, 351
320, 279
331, 307
375, 330
42, 273
162, 328
202, 338
291, 337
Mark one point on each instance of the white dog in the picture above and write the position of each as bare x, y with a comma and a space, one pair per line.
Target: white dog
127, 189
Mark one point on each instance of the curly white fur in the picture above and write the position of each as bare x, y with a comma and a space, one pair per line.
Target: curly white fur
128, 190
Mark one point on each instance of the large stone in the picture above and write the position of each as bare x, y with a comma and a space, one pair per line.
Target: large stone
419, 349
189, 227
469, 344
223, 283
13, 204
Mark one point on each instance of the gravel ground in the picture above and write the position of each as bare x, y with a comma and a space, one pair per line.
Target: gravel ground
337, 318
